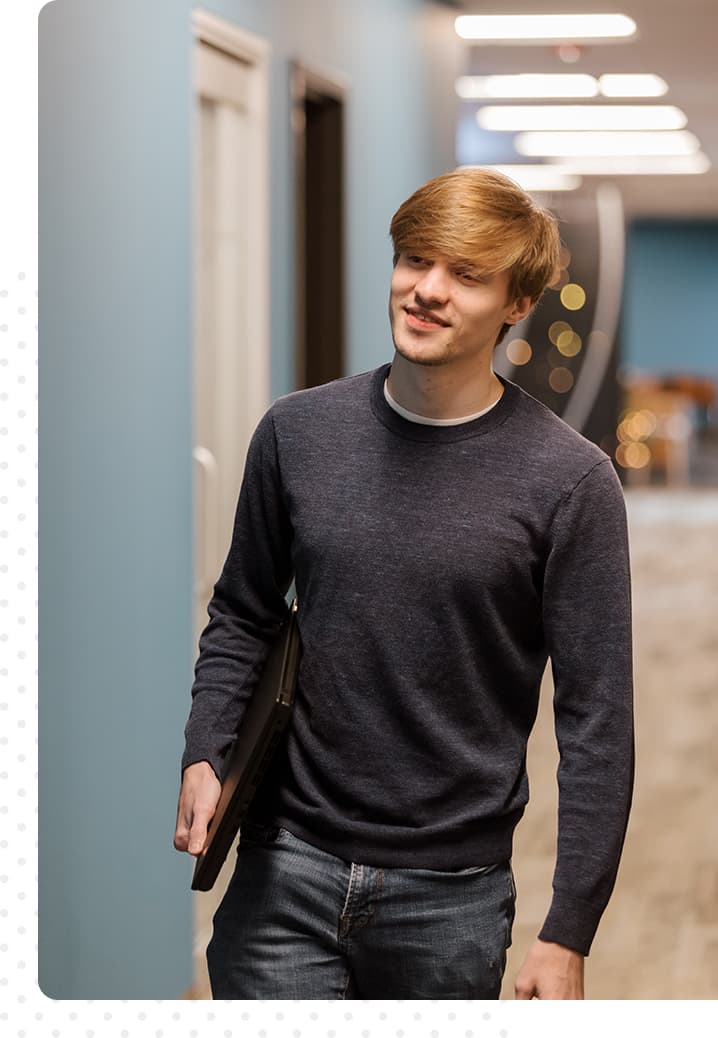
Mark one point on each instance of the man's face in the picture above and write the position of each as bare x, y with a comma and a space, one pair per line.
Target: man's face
444, 312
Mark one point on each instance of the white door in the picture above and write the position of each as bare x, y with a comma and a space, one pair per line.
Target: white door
231, 357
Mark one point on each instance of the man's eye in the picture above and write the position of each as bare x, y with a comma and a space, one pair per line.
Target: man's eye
415, 259
468, 275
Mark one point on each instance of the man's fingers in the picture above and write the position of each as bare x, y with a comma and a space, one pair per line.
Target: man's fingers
192, 839
550, 971
195, 846
183, 829
197, 839
524, 990
198, 801
198, 832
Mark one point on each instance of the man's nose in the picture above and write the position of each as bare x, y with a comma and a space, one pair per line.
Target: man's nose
433, 286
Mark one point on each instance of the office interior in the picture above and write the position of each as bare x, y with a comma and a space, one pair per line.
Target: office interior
216, 185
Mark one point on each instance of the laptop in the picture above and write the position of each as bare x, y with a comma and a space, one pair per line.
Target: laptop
260, 731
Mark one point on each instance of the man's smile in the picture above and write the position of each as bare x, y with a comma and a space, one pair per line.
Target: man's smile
419, 317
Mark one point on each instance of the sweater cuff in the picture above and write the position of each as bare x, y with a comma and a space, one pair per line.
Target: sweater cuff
571, 922
194, 756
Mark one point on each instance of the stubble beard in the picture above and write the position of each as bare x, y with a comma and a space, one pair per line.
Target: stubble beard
426, 360
423, 360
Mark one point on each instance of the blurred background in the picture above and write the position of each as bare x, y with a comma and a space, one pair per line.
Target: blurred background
215, 192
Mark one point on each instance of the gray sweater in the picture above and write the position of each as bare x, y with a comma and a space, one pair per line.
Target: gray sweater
436, 569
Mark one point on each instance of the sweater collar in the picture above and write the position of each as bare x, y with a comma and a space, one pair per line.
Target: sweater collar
445, 433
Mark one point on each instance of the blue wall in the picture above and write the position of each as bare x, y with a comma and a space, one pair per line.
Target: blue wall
668, 321
115, 618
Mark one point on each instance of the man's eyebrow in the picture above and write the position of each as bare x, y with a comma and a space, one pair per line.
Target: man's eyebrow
472, 267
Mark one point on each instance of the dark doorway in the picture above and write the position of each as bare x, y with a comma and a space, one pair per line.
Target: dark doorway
318, 123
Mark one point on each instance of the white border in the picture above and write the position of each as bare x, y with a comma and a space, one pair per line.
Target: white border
24, 1010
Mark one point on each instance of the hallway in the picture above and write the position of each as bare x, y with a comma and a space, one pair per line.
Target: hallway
659, 935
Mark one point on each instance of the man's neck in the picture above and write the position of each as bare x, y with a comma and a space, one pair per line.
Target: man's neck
435, 391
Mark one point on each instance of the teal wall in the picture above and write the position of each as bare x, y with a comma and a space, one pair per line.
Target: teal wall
115, 617
669, 311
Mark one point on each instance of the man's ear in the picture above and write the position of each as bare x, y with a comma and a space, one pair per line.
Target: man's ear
520, 308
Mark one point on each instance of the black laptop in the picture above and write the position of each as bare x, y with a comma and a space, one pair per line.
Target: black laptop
262, 727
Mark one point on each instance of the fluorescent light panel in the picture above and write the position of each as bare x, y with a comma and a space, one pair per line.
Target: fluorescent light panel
561, 27
527, 84
580, 117
632, 85
565, 143
559, 84
635, 165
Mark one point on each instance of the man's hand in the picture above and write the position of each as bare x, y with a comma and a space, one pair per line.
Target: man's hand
550, 971
198, 800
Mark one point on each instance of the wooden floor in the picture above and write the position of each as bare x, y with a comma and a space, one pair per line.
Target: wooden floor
659, 936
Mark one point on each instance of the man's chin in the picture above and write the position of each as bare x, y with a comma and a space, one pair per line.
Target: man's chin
421, 355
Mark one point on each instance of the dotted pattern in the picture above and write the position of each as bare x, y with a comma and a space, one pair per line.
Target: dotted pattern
24, 1009
18, 639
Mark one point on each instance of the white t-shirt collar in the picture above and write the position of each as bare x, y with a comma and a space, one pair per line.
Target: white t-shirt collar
421, 419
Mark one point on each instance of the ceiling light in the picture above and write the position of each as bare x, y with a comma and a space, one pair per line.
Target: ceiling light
539, 177
636, 165
580, 117
632, 85
559, 84
527, 84
560, 27
669, 142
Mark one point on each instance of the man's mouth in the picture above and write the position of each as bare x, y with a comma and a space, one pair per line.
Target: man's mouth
425, 317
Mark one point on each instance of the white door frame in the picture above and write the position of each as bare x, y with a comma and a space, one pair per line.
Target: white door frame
255, 52
254, 55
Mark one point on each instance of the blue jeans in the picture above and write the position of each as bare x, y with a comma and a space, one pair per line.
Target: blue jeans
298, 923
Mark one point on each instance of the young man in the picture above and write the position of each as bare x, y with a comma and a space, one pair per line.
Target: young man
447, 534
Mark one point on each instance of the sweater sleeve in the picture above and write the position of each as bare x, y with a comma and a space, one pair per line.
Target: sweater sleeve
246, 608
587, 622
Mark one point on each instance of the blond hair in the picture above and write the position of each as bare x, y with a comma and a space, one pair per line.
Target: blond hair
481, 217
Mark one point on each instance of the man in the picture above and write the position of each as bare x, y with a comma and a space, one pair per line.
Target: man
447, 533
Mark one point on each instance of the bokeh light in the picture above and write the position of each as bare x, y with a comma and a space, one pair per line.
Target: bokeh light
561, 380
519, 351
636, 425
573, 296
558, 328
633, 455
569, 343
